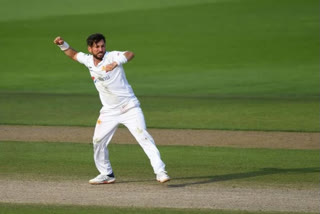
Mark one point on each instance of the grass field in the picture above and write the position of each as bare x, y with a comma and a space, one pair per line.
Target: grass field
205, 64
287, 114
240, 56
49, 209
232, 166
224, 48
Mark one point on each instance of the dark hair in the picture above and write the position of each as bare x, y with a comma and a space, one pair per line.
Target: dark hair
95, 38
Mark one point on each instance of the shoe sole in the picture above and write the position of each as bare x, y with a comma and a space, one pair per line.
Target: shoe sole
104, 182
163, 181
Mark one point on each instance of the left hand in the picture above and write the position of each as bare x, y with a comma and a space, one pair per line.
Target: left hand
109, 67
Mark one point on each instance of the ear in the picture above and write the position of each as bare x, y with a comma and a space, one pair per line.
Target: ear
89, 49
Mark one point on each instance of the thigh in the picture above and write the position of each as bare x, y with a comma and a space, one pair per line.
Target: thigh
105, 128
135, 122
133, 119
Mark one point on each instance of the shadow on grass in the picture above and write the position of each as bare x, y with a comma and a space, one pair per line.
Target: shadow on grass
235, 176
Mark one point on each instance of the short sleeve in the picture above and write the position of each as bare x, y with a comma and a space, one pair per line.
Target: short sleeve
83, 58
115, 54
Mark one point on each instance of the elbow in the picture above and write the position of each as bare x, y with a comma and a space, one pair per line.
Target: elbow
129, 55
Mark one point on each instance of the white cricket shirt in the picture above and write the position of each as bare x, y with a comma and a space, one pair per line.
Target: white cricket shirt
115, 92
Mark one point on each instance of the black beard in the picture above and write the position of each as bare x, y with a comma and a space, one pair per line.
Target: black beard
99, 58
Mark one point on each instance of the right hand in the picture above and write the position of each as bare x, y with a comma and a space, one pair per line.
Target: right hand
110, 67
58, 41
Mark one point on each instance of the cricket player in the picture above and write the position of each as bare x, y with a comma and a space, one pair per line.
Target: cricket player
120, 105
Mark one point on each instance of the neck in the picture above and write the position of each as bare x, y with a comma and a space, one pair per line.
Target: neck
96, 61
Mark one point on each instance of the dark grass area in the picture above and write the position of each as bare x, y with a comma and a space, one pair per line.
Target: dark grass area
193, 166
67, 209
224, 113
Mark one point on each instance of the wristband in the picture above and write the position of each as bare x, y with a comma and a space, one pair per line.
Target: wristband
64, 46
121, 59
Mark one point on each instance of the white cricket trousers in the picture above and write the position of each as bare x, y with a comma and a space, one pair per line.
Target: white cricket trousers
105, 128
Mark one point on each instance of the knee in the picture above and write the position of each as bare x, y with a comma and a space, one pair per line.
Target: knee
143, 135
96, 140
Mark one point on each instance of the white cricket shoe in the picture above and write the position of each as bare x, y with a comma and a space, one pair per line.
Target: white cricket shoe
163, 177
103, 179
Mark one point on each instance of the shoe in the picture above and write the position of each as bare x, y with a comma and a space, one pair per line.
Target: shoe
162, 177
103, 179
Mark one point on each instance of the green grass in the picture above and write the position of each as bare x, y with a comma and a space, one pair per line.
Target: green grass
245, 113
66, 209
243, 65
207, 165
247, 48
27, 10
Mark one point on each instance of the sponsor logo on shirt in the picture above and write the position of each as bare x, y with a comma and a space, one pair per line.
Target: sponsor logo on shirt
100, 79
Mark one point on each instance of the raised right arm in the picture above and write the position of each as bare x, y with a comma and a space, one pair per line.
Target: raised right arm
64, 46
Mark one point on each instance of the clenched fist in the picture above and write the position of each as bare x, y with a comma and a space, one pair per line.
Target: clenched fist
58, 41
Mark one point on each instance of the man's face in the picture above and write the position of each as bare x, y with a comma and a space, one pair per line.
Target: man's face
98, 49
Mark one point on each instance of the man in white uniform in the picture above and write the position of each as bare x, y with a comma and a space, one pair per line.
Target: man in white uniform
120, 105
